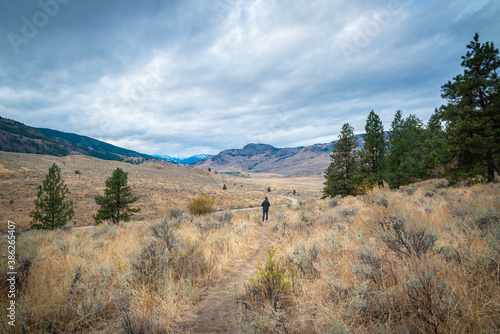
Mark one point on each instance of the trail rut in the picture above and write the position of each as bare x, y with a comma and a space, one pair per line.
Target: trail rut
218, 311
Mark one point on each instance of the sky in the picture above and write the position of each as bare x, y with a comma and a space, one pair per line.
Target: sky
185, 77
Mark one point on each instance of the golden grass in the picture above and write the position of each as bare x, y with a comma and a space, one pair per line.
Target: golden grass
103, 280
417, 260
158, 186
354, 276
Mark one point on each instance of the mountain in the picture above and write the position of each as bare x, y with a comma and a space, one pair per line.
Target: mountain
262, 158
183, 160
17, 137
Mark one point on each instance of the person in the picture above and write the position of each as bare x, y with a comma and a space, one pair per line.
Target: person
265, 209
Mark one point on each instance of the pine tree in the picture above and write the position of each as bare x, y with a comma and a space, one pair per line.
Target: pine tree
51, 210
115, 204
373, 152
342, 176
403, 161
472, 114
433, 145
395, 151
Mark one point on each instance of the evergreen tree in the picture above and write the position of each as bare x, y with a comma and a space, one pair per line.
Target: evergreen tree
373, 152
342, 176
403, 162
395, 151
433, 146
115, 204
51, 210
472, 114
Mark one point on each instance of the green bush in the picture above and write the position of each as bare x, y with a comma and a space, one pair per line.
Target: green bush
201, 205
77, 172
273, 283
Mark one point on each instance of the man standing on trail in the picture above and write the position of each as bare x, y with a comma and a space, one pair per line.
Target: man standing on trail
265, 208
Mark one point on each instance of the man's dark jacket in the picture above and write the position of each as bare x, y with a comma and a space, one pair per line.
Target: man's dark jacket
266, 205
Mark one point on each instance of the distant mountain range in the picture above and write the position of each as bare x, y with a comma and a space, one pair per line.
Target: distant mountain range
17, 137
262, 158
256, 158
184, 160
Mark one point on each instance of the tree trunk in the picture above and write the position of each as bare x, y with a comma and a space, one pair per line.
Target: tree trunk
491, 173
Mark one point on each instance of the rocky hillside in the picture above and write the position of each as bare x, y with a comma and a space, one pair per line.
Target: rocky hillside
262, 158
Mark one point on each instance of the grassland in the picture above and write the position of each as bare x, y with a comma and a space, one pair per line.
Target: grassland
417, 260
158, 186
422, 259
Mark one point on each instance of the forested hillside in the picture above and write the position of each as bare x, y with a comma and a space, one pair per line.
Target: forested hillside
20, 138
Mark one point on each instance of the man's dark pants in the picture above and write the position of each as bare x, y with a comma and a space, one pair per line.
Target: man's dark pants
265, 214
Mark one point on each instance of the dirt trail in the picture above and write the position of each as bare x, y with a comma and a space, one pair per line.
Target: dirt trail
218, 312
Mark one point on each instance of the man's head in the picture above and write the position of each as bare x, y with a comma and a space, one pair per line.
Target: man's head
266, 197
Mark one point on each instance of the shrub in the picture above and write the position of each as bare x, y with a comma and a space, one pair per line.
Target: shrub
224, 187
152, 262
164, 232
188, 261
370, 266
404, 240
77, 172
175, 212
440, 184
332, 202
347, 211
224, 217
304, 261
273, 283
206, 224
426, 301
201, 205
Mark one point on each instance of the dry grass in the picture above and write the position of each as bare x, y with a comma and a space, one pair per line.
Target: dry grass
131, 278
423, 259
420, 260
158, 186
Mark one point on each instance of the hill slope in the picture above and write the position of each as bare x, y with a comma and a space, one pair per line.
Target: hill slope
17, 137
261, 158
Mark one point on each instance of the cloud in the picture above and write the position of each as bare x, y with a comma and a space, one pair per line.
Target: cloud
198, 77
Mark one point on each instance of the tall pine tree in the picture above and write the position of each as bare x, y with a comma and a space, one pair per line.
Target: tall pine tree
373, 152
395, 151
403, 161
115, 204
342, 176
433, 146
51, 210
472, 114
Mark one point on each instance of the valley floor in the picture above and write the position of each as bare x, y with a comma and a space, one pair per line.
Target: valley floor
158, 186
416, 260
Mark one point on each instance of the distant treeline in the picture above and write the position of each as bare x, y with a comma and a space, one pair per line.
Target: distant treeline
460, 142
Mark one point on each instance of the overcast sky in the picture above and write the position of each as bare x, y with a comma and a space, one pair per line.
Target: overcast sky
186, 77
